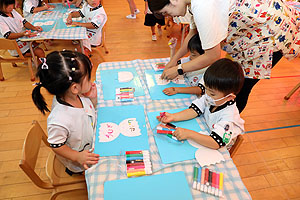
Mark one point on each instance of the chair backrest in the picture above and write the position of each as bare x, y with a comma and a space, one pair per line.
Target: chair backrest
30, 153
236, 145
7, 44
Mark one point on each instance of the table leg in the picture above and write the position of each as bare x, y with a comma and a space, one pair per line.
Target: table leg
32, 54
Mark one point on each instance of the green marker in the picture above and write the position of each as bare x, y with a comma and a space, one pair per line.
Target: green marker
196, 171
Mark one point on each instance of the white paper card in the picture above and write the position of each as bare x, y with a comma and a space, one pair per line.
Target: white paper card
206, 156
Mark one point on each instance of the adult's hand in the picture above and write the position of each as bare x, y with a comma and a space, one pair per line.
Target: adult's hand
170, 73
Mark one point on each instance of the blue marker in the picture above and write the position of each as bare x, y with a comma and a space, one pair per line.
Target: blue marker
199, 178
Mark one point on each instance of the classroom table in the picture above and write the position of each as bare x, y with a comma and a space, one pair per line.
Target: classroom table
56, 32
113, 167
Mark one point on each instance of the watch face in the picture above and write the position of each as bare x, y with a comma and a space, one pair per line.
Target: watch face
180, 71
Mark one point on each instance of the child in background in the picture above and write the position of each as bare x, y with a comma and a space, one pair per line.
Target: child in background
12, 27
193, 78
223, 81
72, 122
151, 20
95, 17
34, 6
133, 10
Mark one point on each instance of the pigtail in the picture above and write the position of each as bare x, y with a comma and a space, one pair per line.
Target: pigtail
39, 100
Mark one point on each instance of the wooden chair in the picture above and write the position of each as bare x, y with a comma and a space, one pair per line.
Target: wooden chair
287, 97
102, 45
236, 145
6, 44
59, 181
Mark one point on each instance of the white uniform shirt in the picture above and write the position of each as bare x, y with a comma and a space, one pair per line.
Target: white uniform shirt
225, 123
28, 7
98, 18
71, 126
211, 20
10, 25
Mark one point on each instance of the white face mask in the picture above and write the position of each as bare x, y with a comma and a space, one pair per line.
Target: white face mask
210, 101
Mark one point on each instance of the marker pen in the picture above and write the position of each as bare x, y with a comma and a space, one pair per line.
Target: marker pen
221, 181
141, 173
137, 158
202, 179
217, 184
138, 170
162, 128
136, 155
213, 183
164, 132
199, 178
171, 125
138, 167
209, 181
135, 161
137, 152
206, 183
173, 137
195, 177
169, 43
144, 164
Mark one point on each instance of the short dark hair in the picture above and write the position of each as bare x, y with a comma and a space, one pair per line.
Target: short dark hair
195, 44
156, 5
58, 72
6, 3
225, 76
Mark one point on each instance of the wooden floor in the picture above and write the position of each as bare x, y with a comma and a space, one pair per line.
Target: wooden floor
268, 160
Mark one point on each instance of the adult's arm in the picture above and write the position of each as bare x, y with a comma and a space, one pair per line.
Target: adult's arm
210, 56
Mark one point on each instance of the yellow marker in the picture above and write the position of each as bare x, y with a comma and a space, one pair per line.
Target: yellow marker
140, 173
169, 43
221, 180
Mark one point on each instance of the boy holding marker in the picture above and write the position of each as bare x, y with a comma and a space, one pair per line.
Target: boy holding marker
223, 80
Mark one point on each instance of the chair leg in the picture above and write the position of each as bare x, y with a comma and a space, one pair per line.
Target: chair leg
105, 49
292, 92
32, 78
1, 73
101, 54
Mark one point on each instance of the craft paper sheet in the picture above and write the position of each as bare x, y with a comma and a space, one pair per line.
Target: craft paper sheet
171, 150
110, 81
170, 186
45, 24
120, 129
157, 85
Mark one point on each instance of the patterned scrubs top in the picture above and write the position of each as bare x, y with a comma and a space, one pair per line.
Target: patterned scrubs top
257, 28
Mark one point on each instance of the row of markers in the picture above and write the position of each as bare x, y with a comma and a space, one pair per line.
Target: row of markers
138, 163
125, 94
208, 181
167, 129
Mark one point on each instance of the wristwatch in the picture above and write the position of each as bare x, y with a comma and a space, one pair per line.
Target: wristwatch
179, 69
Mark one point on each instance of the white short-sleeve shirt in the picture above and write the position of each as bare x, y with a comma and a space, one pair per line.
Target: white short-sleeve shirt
75, 127
211, 20
98, 18
28, 7
10, 25
225, 123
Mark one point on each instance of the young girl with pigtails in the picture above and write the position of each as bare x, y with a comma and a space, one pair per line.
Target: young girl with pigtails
71, 124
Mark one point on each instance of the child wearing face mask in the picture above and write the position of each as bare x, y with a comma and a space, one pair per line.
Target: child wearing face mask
223, 81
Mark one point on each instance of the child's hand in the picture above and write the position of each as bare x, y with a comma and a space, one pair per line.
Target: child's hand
92, 93
51, 6
170, 91
78, 2
166, 118
172, 42
38, 28
86, 158
63, 3
75, 23
69, 20
181, 133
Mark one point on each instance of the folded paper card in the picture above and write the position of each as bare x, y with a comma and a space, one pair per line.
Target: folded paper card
156, 86
170, 186
120, 129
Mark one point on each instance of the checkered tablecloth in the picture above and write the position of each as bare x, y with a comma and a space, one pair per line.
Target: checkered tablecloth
74, 33
113, 167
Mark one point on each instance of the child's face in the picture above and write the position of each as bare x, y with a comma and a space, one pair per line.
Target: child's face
86, 85
219, 97
93, 3
8, 9
194, 54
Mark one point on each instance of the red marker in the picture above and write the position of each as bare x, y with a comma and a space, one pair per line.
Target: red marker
137, 152
206, 183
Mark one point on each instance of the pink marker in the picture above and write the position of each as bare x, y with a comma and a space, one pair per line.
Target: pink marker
68, 2
217, 184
